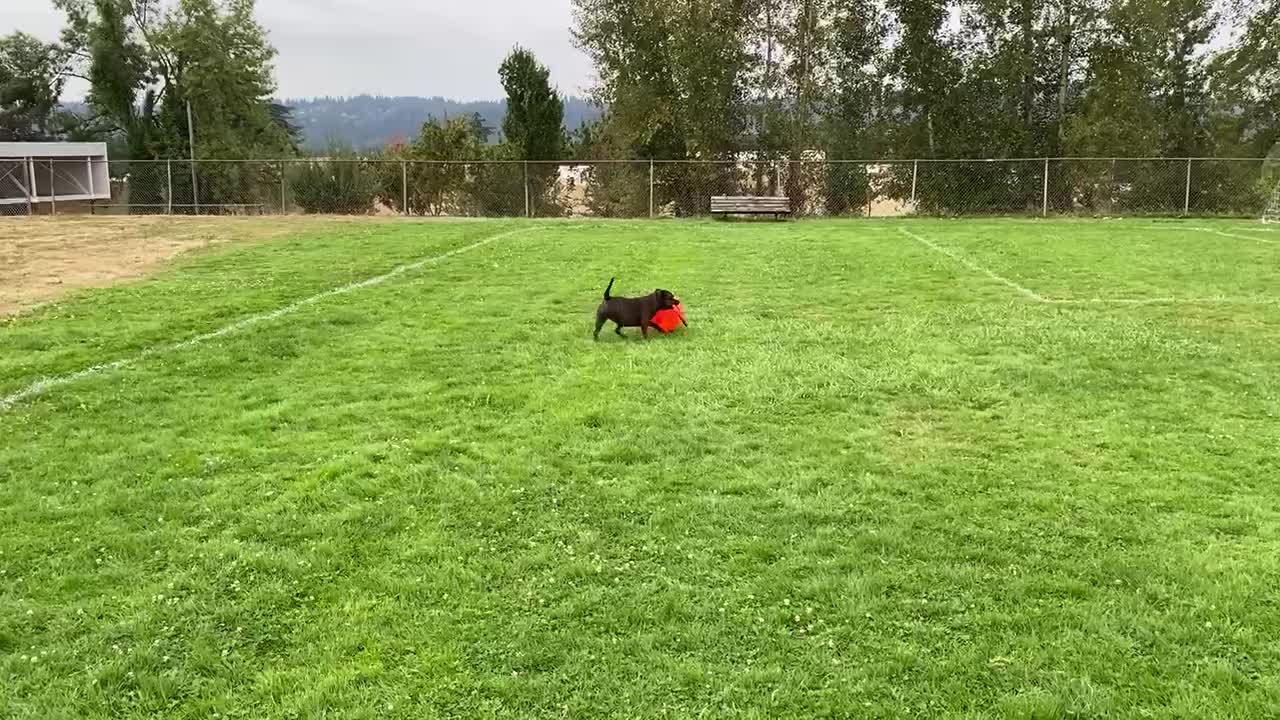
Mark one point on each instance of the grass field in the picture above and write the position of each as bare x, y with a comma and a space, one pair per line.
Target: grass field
980, 468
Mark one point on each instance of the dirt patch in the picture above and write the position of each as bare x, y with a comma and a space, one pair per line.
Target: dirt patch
43, 259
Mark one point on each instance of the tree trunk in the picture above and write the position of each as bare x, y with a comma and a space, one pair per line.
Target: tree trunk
800, 112
1064, 73
1028, 66
766, 105
928, 118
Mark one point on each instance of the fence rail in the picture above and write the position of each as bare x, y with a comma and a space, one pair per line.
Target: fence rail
681, 188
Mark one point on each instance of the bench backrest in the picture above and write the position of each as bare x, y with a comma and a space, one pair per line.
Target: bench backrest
750, 203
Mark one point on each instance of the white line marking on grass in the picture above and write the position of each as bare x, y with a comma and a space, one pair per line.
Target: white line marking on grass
1028, 292
40, 386
1240, 237
1165, 301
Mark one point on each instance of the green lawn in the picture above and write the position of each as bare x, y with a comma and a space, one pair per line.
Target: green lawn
876, 478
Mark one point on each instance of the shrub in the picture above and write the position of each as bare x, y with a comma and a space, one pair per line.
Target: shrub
342, 186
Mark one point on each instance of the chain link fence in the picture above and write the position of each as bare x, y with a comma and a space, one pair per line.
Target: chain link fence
639, 189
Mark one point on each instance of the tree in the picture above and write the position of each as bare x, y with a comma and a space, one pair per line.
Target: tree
498, 187
710, 58
805, 37
1146, 87
629, 45
852, 107
438, 178
612, 189
102, 37
282, 116
1246, 82
146, 61
535, 112
31, 80
479, 129
929, 79
924, 70
673, 75
533, 127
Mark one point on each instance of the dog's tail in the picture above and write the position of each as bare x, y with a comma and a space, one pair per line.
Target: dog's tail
607, 289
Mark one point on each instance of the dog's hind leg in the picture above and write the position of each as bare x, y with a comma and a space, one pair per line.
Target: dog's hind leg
618, 330
599, 324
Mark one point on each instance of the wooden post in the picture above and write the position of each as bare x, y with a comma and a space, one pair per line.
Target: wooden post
404, 188
283, 189
526, 188
169, 171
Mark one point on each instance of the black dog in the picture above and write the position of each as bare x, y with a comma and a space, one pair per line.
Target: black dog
632, 312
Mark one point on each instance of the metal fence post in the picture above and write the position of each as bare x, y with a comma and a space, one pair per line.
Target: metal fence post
283, 190
169, 204
868, 170
28, 168
526, 188
650, 188
1186, 199
195, 189
404, 188
53, 190
1044, 204
1111, 187
915, 172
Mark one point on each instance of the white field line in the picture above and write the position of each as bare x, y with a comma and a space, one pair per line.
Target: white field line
44, 384
1214, 300
1201, 228
975, 266
1254, 238
1033, 295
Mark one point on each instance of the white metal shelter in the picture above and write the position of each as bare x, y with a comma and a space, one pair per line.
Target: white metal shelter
50, 172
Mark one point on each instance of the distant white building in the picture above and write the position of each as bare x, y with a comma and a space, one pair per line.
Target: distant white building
32, 173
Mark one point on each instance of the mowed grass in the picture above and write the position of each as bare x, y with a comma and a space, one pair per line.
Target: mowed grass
870, 481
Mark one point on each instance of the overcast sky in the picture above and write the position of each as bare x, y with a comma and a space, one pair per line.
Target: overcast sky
388, 47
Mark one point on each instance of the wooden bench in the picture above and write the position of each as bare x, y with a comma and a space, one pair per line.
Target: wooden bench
750, 205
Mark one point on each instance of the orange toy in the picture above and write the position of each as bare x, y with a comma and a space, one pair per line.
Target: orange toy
668, 319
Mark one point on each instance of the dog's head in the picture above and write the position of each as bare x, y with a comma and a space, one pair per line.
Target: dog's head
666, 299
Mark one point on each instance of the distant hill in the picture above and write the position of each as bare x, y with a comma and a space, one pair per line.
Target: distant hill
368, 121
